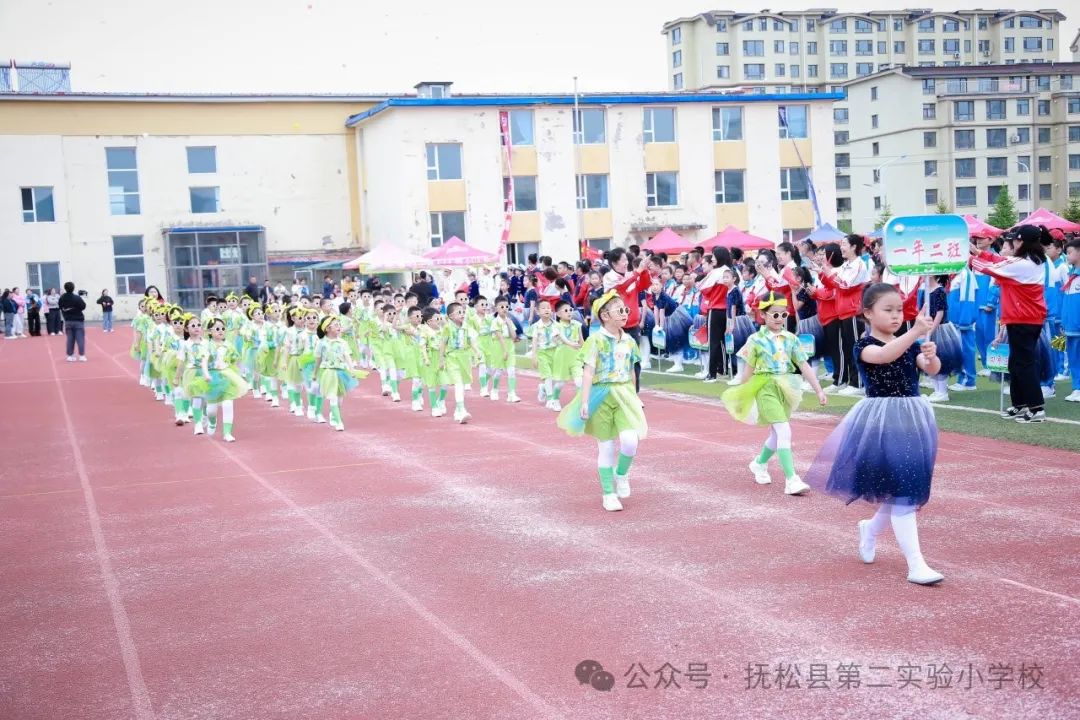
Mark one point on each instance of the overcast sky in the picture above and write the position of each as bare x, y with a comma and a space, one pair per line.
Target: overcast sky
361, 46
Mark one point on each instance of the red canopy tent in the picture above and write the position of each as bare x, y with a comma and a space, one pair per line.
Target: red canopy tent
456, 253
667, 241
732, 237
1043, 216
978, 228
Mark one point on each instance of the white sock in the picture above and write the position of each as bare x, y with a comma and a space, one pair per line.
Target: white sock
881, 520
227, 411
459, 397
907, 535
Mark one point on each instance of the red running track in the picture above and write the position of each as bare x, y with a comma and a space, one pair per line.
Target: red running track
414, 568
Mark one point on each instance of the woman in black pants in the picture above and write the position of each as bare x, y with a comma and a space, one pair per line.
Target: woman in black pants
714, 288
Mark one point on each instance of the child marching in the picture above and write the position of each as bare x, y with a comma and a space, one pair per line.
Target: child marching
334, 368
189, 371
460, 348
224, 384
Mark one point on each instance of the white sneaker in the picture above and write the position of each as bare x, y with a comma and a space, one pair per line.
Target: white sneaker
701, 375
319, 419
82, 358
462, 417
311, 412
611, 502
710, 380
554, 405
513, 398
338, 426
984, 373
160, 397
484, 391
494, 395
761, 473
867, 542
418, 405
851, 391
298, 411
1061, 377
1074, 397
541, 393
396, 397
143, 382
923, 574
274, 402
960, 387
210, 430
1049, 391
435, 412
795, 486
677, 368
646, 365
386, 391
256, 394
71, 358
733, 381
228, 438
168, 401
622, 486
938, 397
198, 429
834, 389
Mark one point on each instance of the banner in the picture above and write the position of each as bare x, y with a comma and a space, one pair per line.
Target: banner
997, 358
926, 244
508, 200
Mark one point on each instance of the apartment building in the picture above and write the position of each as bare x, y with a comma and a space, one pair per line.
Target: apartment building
957, 135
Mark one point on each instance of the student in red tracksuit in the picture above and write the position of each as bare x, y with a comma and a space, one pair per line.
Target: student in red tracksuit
778, 269
830, 328
629, 284
714, 292
1023, 313
848, 280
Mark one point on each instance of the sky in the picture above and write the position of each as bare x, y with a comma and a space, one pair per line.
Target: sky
315, 46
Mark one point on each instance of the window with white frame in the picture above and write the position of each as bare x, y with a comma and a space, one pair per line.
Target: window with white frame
590, 127
592, 191
676, 58
205, 199
201, 160
754, 71
443, 161
753, 48
722, 48
730, 186
123, 180
794, 121
727, 123
794, 184
676, 36
661, 189
445, 225
129, 266
659, 124
37, 204
677, 81
723, 72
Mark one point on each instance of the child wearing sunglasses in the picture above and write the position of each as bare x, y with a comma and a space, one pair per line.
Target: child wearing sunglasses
769, 391
607, 407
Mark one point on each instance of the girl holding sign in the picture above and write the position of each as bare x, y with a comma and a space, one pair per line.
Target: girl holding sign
885, 448
1023, 313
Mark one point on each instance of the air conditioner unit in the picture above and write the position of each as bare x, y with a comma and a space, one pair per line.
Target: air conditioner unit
956, 56
1014, 139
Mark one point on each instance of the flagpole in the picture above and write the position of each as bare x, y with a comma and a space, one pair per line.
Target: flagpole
576, 125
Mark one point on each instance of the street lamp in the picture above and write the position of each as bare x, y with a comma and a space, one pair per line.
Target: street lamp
1024, 167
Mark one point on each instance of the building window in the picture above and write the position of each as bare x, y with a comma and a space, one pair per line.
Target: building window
930, 196
997, 167
590, 127
794, 71
951, 47
754, 71
524, 192
1066, 82
128, 264
843, 182
722, 48
779, 46
964, 139
963, 110
843, 160
676, 36
1044, 135
1023, 135
873, 93
1074, 106
37, 204
926, 47
877, 202
838, 26
763, 24
779, 69
214, 262
840, 116
659, 125
793, 48
521, 127
676, 58
843, 204
875, 149
840, 137
1046, 191
721, 26
1044, 108
929, 168
753, 48
201, 160
838, 48
950, 26
864, 47
897, 24
794, 184
926, 25
811, 48
929, 111
794, 121
123, 180
1023, 192
899, 47
1033, 44
1074, 161
1023, 106
1044, 163
929, 139
965, 197
445, 225
874, 122
205, 199
863, 26
661, 189
928, 86
984, 47
811, 71
727, 123
1009, 45
965, 167
443, 161
882, 47
592, 192
1074, 133
995, 109
862, 69
677, 81
729, 186
723, 71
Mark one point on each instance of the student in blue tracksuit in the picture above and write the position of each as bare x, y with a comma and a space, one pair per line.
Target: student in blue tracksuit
985, 322
963, 314
1070, 316
1052, 280
1055, 257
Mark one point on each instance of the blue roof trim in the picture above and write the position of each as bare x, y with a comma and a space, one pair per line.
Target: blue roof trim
223, 228
516, 100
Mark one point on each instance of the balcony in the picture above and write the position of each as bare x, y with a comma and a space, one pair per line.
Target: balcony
983, 86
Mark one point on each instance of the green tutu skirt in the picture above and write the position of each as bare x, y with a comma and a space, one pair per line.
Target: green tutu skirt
613, 408
764, 399
293, 374
169, 364
336, 383
306, 363
193, 383
266, 362
225, 385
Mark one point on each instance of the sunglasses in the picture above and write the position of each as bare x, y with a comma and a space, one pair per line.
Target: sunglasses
780, 315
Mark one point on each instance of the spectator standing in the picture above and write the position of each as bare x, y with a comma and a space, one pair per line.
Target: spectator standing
19, 324
52, 312
252, 288
266, 294
33, 314
106, 304
8, 307
327, 286
72, 306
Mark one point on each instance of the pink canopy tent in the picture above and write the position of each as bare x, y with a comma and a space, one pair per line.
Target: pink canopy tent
456, 253
1043, 216
978, 228
667, 241
385, 258
732, 237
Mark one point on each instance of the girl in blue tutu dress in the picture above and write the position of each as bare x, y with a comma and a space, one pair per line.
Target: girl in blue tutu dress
607, 406
884, 449
946, 338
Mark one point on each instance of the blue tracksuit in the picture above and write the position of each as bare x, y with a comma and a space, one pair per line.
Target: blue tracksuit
985, 326
964, 313
1070, 323
1053, 313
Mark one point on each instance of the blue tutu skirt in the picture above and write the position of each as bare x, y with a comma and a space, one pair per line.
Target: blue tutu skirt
882, 452
742, 327
949, 348
677, 328
812, 326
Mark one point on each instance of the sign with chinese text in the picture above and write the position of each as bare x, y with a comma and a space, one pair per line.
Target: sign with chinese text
926, 244
997, 358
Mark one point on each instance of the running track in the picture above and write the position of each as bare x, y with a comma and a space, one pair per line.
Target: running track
414, 568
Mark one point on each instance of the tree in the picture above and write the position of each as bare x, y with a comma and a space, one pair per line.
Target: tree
886, 214
844, 226
943, 208
1072, 212
1004, 213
